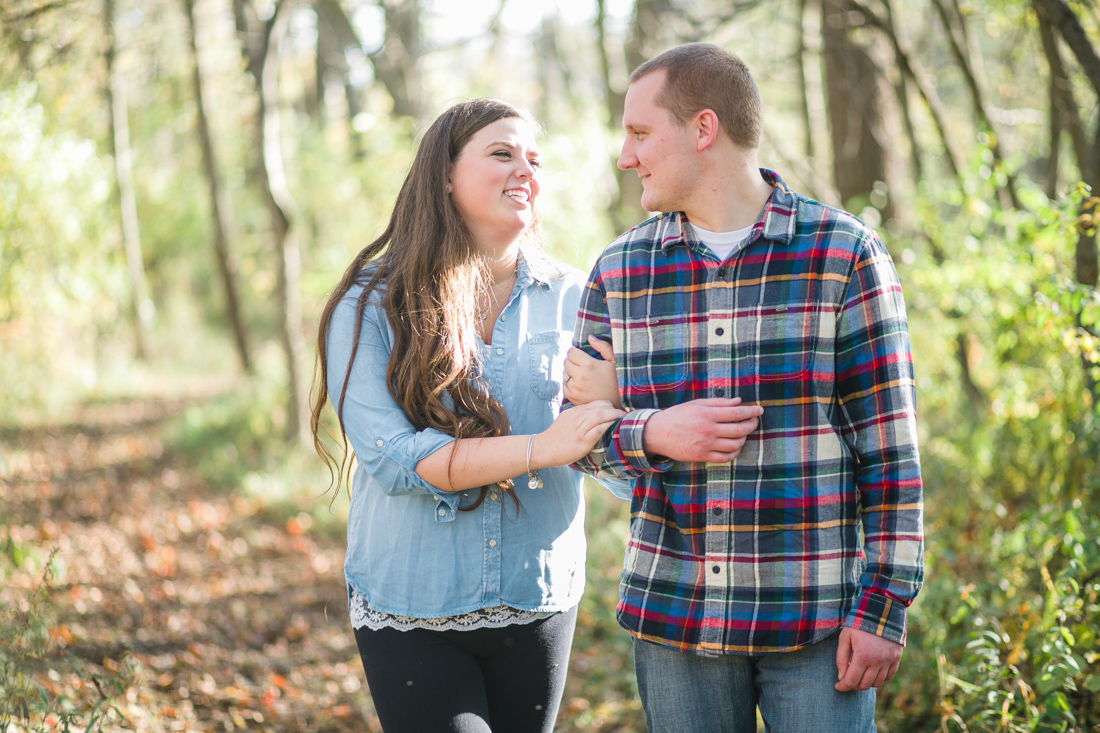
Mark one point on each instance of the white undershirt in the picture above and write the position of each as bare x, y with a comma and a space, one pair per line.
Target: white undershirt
722, 243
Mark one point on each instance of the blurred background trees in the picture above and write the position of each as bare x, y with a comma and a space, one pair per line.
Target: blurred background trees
181, 182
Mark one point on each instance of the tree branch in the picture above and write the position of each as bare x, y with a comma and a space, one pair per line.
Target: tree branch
1060, 16
963, 59
931, 100
33, 13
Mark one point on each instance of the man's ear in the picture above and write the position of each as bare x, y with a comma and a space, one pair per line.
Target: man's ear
706, 127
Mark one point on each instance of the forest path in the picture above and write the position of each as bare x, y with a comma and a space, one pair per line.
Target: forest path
233, 613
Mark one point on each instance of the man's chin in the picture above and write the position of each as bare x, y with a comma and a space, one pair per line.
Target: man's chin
652, 203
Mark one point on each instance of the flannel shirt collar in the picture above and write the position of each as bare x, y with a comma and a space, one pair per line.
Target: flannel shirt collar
776, 223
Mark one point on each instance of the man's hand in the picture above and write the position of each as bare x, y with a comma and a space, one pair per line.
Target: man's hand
710, 430
864, 660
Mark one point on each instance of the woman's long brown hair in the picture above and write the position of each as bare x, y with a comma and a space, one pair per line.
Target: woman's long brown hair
430, 277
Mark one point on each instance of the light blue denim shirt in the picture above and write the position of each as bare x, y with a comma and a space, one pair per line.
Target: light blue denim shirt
410, 551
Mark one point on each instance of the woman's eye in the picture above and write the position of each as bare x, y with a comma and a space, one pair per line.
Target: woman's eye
535, 163
503, 154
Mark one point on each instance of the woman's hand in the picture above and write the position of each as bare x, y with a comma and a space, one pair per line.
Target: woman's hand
588, 379
573, 434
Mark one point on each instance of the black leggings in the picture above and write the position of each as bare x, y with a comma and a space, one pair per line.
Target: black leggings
501, 680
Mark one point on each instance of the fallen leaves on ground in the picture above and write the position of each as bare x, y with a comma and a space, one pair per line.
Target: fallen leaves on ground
226, 619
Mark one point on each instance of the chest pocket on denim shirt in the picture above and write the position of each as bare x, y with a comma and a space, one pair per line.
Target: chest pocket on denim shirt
548, 349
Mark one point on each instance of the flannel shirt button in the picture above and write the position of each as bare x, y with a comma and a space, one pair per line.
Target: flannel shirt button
716, 570
722, 272
717, 511
719, 331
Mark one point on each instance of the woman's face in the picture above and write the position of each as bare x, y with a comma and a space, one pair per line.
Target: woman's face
493, 182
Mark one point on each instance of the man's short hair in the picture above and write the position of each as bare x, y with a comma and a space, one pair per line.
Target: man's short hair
702, 76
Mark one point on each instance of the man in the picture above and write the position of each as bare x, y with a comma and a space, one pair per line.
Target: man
763, 355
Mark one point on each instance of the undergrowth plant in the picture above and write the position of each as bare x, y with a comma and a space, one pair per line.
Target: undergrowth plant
43, 687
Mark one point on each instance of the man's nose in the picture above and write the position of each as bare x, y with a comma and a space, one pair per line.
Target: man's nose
627, 159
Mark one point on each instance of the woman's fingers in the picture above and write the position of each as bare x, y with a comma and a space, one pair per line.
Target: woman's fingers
576, 430
603, 348
588, 379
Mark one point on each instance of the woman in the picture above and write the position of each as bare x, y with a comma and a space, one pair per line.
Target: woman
442, 350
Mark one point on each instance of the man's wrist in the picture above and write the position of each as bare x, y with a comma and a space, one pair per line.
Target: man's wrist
651, 439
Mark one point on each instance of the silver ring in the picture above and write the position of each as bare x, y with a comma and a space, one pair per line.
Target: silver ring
567, 378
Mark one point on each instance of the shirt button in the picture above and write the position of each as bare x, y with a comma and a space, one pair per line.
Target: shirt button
493, 496
719, 330
716, 570
722, 272
500, 351
720, 392
503, 317
492, 543
442, 512
717, 511
379, 443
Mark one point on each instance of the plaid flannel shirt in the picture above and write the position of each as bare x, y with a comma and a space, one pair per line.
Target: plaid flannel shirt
806, 319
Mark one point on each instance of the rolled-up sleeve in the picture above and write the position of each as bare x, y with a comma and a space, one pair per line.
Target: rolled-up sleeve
619, 453
386, 444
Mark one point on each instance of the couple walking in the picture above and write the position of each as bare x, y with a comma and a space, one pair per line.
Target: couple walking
740, 371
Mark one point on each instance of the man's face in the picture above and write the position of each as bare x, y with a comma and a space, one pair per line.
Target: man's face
664, 154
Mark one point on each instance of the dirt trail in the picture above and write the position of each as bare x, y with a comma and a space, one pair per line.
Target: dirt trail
235, 621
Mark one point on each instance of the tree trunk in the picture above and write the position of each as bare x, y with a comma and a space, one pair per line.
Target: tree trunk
397, 62
1057, 14
625, 210
962, 56
1054, 61
803, 85
335, 35
854, 104
545, 68
1060, 16
640, 46
902, 92
282, 208
927, 93
219, 206
142, 305
260, 42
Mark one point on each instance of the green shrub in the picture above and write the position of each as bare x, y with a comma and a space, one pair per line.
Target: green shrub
42, 688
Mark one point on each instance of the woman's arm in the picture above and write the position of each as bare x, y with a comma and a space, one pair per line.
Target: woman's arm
387, 446
588, 379
480, 461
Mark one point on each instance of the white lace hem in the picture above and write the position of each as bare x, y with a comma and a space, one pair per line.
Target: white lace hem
363, 616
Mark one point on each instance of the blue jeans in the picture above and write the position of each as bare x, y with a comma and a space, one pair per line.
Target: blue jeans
685, 693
